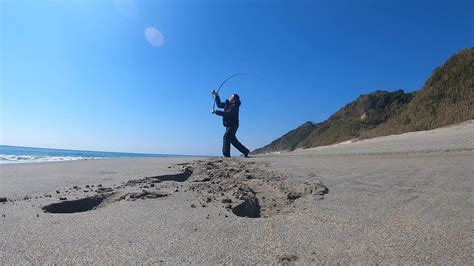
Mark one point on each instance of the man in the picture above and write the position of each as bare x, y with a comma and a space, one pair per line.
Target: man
230, 119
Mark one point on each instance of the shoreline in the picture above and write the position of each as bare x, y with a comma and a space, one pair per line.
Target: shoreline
18, 154
94, 159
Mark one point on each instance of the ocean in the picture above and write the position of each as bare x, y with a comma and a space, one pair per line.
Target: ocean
14, 154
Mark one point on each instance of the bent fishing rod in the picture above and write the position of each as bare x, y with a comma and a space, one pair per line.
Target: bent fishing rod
227, 79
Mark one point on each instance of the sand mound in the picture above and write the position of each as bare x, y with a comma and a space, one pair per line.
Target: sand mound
243, 187
249, 190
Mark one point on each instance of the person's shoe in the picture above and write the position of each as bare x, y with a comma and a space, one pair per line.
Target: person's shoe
246, 155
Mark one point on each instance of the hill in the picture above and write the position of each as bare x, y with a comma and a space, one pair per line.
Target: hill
447, 97
366, 112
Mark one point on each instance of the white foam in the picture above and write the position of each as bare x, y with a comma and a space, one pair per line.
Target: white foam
6, 159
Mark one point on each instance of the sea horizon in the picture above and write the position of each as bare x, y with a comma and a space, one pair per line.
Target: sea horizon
21, 154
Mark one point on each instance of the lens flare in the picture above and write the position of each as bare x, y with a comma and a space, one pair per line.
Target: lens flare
154, 37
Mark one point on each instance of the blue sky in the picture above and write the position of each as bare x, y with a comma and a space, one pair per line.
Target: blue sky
82, 75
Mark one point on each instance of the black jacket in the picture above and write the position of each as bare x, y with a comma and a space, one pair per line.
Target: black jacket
230, 115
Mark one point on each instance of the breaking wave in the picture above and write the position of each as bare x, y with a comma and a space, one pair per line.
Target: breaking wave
14, 154
6, 158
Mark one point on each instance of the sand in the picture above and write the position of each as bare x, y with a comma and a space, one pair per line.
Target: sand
395, 199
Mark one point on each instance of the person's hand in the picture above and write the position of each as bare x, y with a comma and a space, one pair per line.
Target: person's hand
214, 93
213, 112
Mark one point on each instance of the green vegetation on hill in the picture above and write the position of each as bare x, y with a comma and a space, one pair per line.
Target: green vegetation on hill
446, 98
356, 118
365, 113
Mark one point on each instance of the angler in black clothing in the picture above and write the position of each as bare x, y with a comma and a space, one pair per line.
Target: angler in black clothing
230, 119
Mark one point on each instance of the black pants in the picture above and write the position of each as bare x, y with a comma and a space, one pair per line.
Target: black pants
230, 138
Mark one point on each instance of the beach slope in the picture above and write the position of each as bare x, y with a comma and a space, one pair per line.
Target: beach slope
395, 199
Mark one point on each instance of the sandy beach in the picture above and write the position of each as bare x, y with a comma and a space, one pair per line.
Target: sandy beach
395, 199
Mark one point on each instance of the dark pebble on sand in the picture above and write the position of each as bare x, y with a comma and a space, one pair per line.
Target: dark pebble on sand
321, 189
287, 259
105, 189
57, 191
293, 195
156, 195
87, 186
137, 195
3, 215
226, 200
208, 199
193, 206
62, 198
3, 199
152, 185
26, 197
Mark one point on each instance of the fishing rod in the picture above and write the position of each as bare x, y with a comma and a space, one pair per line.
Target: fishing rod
227, 79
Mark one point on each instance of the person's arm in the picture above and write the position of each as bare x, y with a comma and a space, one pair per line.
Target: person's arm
232, 111
218, 101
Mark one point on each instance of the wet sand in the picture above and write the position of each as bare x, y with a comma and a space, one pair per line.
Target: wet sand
395, 199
